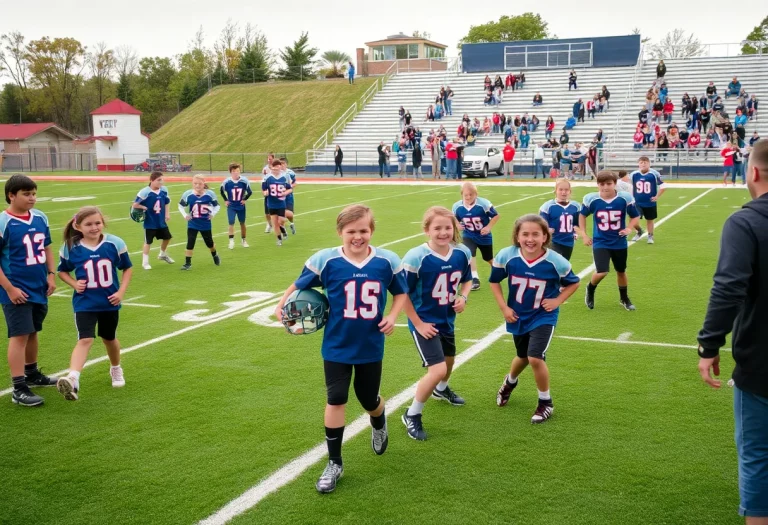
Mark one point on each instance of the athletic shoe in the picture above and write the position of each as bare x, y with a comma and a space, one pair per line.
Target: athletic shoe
637, 236
67, 387
217, 260
414, 427
543, 411
380, 439
283, 232
650, 239
118, 380
166, 258
268, 229
26, 398
589, 299
279, 242
628, 305
186, 267
231, 244
475, 283
37, 378
244, 243
502, 396
293, 229
146, 266
329, 478
448, 395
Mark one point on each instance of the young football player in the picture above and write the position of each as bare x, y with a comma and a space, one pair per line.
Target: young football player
266, 171
356, 277
540, 280
439, 279
290, 176
561, 214
95, 258
275, 188
27, 278
203, 206
476, 218
648, 187
154, 200
624, 183
610, 231
235, 190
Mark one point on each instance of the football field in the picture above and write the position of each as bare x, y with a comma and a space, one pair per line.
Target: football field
222, 414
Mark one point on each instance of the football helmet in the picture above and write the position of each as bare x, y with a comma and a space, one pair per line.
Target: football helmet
137, 215
305, 312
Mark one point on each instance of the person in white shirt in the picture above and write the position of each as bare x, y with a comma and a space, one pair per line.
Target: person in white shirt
538, 160
624, 183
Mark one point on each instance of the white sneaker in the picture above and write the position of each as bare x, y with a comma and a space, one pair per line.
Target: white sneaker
650, 239
118, 380
637, 237
68, 387
146, 266
279, 242
268, 229
166, 258
244, 243
231, 244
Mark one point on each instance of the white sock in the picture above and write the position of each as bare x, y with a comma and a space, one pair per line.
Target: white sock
442, 386
475, 275
416, 408
114, 367
162, 254
544, 396
512, 380
75, 376
144, 259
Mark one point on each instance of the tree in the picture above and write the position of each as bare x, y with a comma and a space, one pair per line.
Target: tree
298, 60
636, 31
677, 44
101, 62
256, 61
126, 60
527, 26
421, 34
758, 34
151, 92
13, 58
124, 91
229, 49
335, 62
11, 104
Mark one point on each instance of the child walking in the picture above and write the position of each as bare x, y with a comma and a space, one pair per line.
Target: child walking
561, 215
235, 190
476, 217
203, 207
275, 188
154, 200
95, 258
356, 277
540, 280
439, 278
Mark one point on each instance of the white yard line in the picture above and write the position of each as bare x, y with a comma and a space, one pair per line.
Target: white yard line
626, 342
297, 466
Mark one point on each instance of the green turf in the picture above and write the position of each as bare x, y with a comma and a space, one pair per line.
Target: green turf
636, 437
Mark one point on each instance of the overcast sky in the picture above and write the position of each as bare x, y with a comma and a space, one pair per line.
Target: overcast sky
165, 27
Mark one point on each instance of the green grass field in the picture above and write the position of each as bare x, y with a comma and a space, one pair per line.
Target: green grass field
218, 398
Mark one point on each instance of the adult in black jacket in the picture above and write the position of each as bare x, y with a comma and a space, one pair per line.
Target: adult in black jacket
382, 159
338, 156
417, 158
738, 303
661, 69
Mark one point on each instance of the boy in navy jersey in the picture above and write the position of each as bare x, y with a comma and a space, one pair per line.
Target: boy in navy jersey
647, 187
356, 278
203, 206
476, 217
561, 215
154, 200
235, 190
26, 280
610, 208
290, 176
540, 280
275, 188
265, 172
439, 278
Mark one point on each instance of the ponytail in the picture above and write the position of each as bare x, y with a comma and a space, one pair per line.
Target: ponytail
71, 234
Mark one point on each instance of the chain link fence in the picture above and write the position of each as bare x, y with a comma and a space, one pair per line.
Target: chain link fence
42, 159
169, 162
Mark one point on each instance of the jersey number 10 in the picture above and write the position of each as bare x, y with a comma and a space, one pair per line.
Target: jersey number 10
369, 307
99, 275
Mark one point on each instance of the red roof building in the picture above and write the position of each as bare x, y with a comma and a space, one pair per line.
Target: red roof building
116, 107
35, 146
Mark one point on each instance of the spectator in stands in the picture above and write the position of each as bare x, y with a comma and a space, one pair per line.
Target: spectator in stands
669, 108
537, 100
638, 139
508, 132
448, 101
525, 139
649, 137
509, 81
658, 110
549, 127
734, 88
434, 153
524, 122
694, 140
663, 146
488, 99
718, 105
416, 159
439, 113
727, 153
703, 101
499, 95
592, 106
711, 92
520, 80
430, 113
487, 84
650, 98
599, 139
516, 122
663, 92
602, 104
755, 137
401, 112
661, 69
642, 116
564, 138
577, 160
496, 119
451, 155
533, 124
578, 110
509, 156
704, 118
741, 104
604, 93
487, 126
498, 83
538, 162
338, 156
740, 122
683, 135
572, 80
685, 103
407, 118
502, 121
752, 107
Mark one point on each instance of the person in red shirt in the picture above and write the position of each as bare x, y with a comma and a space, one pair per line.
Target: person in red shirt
669, 108
727, 154
694, 139
509, 157
550, 128
451, 156
496, 123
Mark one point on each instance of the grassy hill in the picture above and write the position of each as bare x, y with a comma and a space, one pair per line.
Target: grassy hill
279, 116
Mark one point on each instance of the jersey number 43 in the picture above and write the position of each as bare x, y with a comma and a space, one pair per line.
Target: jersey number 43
445, 288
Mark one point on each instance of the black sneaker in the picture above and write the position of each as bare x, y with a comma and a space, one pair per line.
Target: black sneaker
414, 427
216, 260
448, 395
475, 283
502, 396
186, 267
329, 477
37, 378
543, 411
379, 439
26, 398
627, 304
589, 299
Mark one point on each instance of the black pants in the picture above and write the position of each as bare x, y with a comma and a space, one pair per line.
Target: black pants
192, 238
381, 169
338, 169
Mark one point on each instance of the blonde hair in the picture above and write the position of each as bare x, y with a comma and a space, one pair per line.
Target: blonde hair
200, 177
469, 186
352, 213
72, 235
560, 181
440, 211
536, 219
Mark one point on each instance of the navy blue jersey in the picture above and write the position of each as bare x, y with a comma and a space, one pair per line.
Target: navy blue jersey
357, 294
610, 218
276, 186
98, 268
645, 186
22, 254
290, 176
202, 209
157, 205
433, 282
561, 218
529, 284
236, 192
474, 218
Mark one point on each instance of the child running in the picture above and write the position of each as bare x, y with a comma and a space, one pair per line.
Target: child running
476, 218
265, 172
235, 190
154, 200
439, 278
540, 280
356, 277
648, 187
275, 188
290, 176
610, 231
95, 257
561, 214
27, 278
203, 206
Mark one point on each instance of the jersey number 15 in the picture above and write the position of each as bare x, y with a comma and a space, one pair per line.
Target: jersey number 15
368, 293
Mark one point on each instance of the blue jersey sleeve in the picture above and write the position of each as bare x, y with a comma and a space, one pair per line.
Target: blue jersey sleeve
499, 265
586, 208
123, 260
563, 268
467, 275
185, 197
488, 207
248, 190
214, 200
65, 265
311, 275
142, 195
544, 210
44, 218
167, 195
223, 189
398, 284
631, 206
412, 265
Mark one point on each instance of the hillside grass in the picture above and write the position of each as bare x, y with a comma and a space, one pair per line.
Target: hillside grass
281, 116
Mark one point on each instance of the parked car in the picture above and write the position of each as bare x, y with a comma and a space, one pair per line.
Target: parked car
479, 160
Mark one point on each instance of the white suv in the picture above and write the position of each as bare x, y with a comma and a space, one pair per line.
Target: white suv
479, 160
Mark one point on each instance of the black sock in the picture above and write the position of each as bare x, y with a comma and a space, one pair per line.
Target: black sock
232, 236
333, 439
188, 260
213, 254
30, 369
623, 293
378, 422
19, 383
242, 237
591, 287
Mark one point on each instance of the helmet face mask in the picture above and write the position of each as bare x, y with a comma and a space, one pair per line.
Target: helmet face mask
305, 312
137, 215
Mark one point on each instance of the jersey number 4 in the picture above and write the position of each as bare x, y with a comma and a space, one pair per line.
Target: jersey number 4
445, 288
523, 284
99, 274
157, 207
368, 293
608, 220
35, 245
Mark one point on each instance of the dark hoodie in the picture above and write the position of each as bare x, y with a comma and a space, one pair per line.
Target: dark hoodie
739, 297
